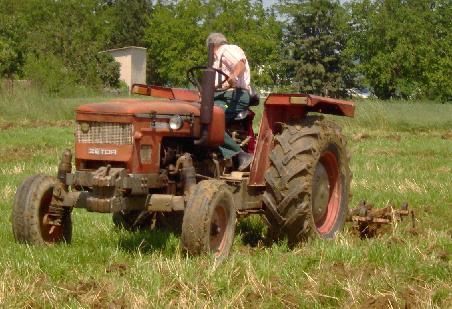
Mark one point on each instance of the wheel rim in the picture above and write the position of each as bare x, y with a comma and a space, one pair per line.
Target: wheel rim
326, 193
49, 233
218, 227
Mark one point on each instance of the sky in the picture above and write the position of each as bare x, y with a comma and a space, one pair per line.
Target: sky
268, 3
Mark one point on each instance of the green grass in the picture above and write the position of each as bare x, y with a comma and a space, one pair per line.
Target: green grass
400, 152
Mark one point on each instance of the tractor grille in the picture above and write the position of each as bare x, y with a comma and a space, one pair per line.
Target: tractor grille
104, 133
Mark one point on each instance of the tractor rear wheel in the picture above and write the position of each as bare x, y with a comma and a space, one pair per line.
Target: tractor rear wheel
209, 220
30, 212
308, 181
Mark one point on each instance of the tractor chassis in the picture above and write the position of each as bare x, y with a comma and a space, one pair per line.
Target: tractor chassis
103, 190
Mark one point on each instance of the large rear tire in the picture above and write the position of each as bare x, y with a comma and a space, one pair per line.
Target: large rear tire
209, 220
308, 181
30, 210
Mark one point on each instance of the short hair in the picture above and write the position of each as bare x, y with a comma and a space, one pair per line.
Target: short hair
216, 38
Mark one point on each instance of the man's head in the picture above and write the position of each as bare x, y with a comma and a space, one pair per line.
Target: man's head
217, 39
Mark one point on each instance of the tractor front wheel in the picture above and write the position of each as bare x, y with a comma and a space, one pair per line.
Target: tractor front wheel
308, 181
30, 213
209, 220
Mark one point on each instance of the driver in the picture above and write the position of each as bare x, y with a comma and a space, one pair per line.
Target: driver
231, 60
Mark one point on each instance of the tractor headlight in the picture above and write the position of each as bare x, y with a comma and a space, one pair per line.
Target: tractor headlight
176, 122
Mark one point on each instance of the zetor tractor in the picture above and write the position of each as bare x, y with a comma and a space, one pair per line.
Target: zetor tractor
156, 162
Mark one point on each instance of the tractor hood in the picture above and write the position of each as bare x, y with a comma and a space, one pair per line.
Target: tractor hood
134, 106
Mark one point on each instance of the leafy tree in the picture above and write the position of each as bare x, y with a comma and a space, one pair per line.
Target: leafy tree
178, 29
108, 70
49, 74
175, 41
8, 59
314, 41
11, 39
440, 63
404, 47
66, 34
71, 30
127, 21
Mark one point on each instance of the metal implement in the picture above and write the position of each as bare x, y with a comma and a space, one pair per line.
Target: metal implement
369, 219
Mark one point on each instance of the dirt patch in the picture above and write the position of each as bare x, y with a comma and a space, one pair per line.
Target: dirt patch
447, 136
360, 136
24, 153
373, 230
394, 137
363, 136
428, 209
118, 268
444, 169
414, 231
449, 232
384, 153
254, 296
95, 294
339, 269
438, 252
408, 297
6, 126
380, 302
443, 255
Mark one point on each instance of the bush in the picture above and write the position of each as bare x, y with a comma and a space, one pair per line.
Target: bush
108, 70
52, 76
49, 74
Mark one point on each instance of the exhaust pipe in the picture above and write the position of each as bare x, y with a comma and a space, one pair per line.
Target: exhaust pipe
207, 94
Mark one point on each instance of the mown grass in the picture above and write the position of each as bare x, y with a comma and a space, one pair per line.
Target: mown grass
400, 152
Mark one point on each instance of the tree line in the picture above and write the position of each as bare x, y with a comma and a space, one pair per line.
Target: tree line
398, 48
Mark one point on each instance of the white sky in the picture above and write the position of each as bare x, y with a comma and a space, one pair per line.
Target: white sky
268, 3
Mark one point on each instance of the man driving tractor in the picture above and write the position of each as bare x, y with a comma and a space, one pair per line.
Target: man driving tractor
233, 94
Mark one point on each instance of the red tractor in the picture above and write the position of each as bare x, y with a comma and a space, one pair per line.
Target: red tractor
158, 161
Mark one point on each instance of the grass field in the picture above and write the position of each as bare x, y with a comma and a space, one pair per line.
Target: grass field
401, 151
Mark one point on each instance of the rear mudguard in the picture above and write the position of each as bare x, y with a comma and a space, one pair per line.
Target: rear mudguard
288, 108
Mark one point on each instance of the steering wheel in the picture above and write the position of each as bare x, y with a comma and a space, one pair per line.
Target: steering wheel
191, 76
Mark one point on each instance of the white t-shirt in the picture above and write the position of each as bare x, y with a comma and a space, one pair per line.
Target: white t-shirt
226, 57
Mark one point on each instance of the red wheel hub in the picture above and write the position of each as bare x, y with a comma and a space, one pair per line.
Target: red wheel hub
50, 233
218, 227
326, 193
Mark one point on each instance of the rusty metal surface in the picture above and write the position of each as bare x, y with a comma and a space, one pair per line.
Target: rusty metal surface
132, 106
271, 121
143, 131
165, 202
129, 203
166, 93
108, 176
368, 220
313, 103
71, 199
286, 108
137, 183
57, 209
